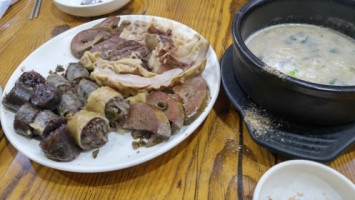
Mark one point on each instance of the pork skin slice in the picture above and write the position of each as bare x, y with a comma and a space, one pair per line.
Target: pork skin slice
172, 109
132, 84
142, 116
194, 94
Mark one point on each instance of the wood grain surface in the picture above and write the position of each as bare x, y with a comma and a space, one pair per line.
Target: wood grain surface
218, 161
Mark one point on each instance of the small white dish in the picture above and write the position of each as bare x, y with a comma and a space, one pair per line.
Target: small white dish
302, 179
74, 7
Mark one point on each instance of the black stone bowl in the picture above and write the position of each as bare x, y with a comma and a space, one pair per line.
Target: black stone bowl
289, 97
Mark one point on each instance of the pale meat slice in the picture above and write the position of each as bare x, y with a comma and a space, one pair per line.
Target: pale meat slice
131, 84
142, 116
172, 109
177, 53
123, 66
194, 94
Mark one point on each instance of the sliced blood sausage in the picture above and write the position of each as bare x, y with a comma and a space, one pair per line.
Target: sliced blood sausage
75, 72
21, 92
31, 79
43, 118
18, 96
85, 87
59, 82
89, 129
60, 145
142, 116
194, 94
23, 118
173, 109
45, 96
69, 104
52, 125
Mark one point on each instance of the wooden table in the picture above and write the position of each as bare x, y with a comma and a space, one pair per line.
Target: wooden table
218, 161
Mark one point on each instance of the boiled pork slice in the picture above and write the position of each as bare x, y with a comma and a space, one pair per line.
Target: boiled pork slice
194, 94
142, 116
129, 84
173, 109
85, 39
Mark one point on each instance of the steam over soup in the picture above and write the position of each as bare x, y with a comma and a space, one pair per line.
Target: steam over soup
306, 52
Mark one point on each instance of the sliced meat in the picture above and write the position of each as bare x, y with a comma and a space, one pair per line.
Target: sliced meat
45, 96
142, 116
89, 129
59, 82
21, 92
60, 145
23, 118
135, 31
75, 72
85, 39
117, 48
178, 53
43, 118
131, 84
173, 109
194, 94
69, 105
85, 88
110, 22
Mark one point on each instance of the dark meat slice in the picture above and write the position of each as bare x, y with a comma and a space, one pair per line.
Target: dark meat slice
59, 82
43, 118
106, 48
69, 104
23, 118
194, 94
142, 116
21, 92
85, 39
173, 109
89, 129
60, 145
109, 103
117, 48
45, 96
18, 96
85, 87
110, 22
75, 72
31, 79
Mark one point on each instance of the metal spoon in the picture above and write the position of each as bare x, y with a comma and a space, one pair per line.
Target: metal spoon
88, 2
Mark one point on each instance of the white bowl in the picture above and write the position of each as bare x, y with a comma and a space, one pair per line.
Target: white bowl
73, 7
301, 179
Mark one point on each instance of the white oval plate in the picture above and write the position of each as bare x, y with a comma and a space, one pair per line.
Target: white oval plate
74, 7
303, 180
118, 152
